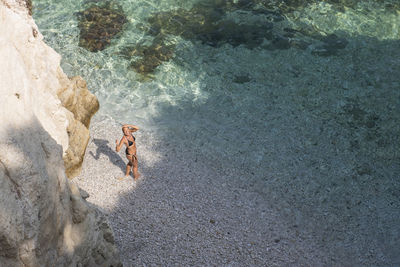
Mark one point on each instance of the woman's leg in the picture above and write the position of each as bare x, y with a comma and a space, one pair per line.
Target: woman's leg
129, 165
136, 174
128, 168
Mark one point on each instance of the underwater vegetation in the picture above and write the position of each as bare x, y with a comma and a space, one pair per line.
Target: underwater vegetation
98, 25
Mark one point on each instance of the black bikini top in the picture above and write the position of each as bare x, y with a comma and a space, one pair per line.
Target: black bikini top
129, 141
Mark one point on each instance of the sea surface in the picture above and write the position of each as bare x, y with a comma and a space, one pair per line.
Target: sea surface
305, 92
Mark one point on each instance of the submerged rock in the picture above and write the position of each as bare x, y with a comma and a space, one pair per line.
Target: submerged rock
181, 22
334, 42
240, 79
204, 24
281, 42
99, 25
331, 46
150, 56
207, 22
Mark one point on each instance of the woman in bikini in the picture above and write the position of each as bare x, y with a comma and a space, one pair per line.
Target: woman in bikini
129, 140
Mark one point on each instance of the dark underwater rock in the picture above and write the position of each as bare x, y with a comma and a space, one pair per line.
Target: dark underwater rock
332, 45
99, 25
323, 51
300, 44
150, 56
203, 24
241, 79
207, 23
187, 24
281, 42
335, 42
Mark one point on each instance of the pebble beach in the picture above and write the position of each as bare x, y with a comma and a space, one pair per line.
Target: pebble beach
187, 210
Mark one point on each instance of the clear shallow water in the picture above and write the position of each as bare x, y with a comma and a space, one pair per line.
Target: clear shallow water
196, 95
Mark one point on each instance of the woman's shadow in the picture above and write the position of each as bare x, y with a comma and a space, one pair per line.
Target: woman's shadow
103, 148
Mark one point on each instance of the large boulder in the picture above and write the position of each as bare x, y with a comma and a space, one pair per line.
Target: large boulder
44, 221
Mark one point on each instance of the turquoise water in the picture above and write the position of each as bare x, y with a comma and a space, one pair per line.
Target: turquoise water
304, 97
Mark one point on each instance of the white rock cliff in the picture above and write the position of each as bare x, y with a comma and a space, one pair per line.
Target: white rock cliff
44, 115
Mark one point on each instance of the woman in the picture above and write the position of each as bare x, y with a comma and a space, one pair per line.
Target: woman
129, 140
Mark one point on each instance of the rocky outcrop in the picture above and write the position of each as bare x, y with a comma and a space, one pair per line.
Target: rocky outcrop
44, 220
82, 104
71, 132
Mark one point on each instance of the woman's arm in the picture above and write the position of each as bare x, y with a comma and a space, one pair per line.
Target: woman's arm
118, 146
131, 127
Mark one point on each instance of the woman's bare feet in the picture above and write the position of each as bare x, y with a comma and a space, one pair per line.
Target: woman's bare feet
122, 178
137, 176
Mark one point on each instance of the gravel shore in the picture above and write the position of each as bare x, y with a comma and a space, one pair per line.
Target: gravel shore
191, 210
185, 210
